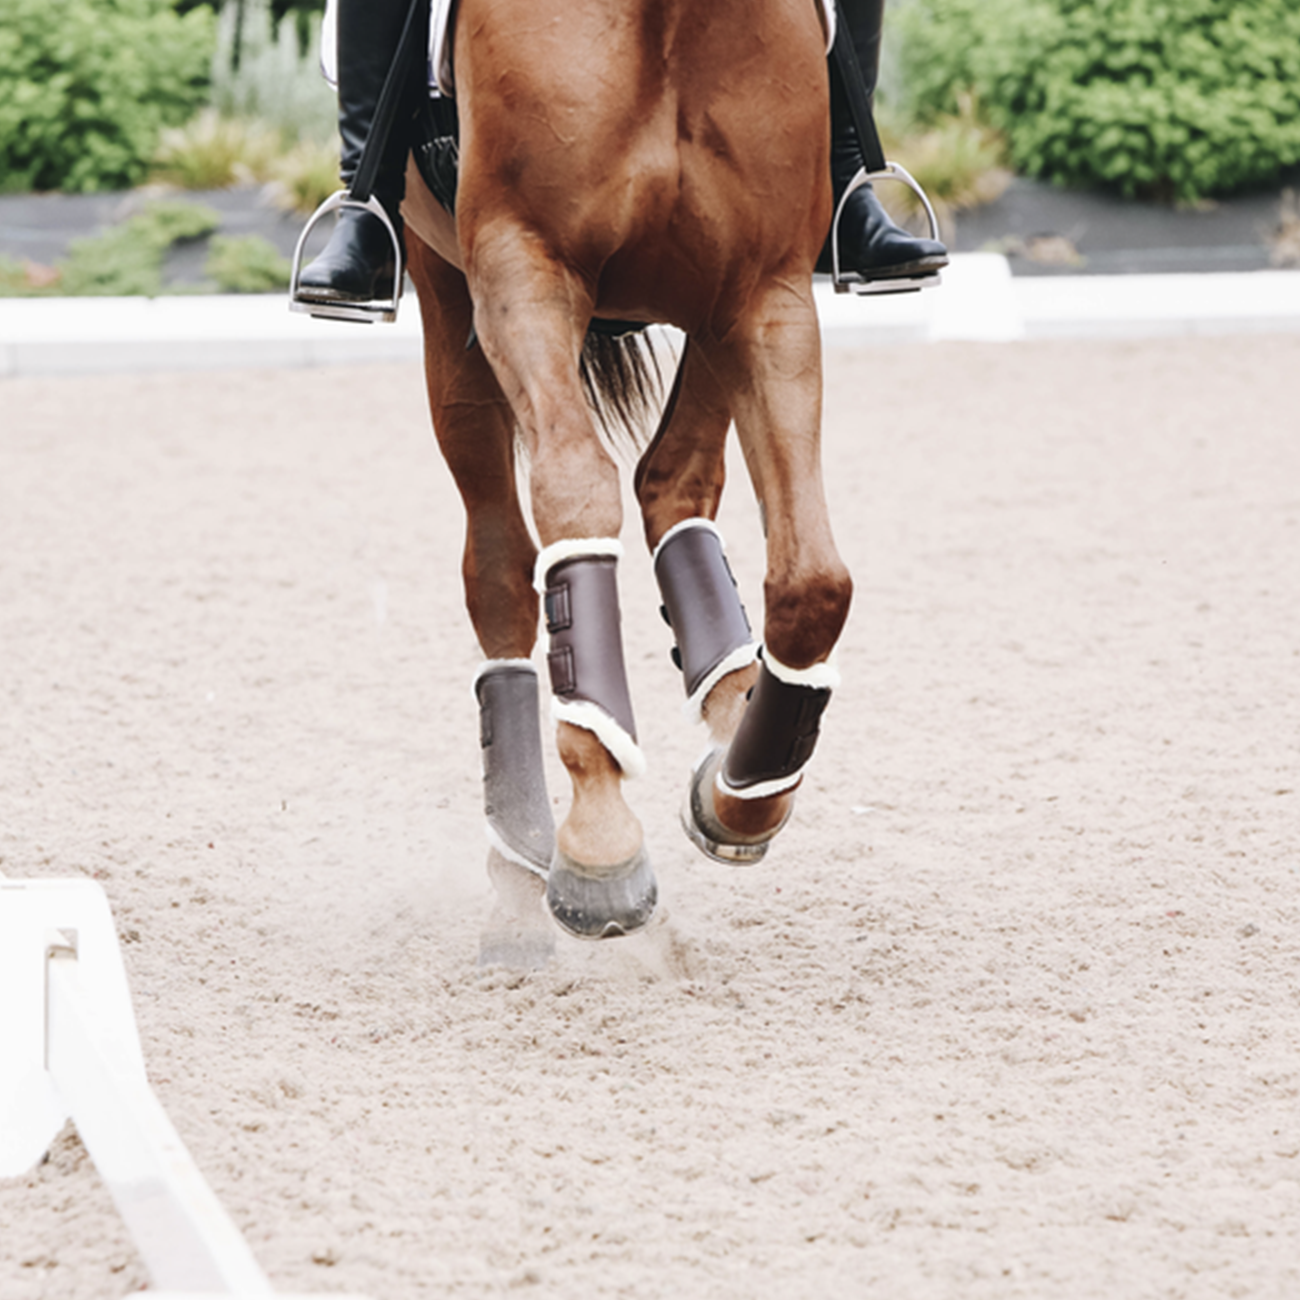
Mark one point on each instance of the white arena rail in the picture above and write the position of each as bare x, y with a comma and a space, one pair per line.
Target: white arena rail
69, 1047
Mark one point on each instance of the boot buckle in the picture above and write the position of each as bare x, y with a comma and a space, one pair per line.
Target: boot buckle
851, 282
383, 308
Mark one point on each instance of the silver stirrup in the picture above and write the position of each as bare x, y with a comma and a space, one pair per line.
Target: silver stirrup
854, 283
383, 309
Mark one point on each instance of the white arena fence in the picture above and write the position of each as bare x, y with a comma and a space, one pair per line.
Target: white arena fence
69, 1048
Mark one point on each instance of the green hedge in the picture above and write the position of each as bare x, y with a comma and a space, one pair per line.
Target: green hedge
88, 84
1165, 98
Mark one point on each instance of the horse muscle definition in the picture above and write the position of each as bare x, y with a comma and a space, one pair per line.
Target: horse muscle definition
613, 165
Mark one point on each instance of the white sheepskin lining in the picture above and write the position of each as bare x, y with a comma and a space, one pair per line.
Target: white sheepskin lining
574, 548
510, 855
763, 790
698, 522
741, 657
591, 717
819, 677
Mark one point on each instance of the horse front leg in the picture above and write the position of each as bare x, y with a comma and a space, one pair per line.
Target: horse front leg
476, 433
530, 319
770, 365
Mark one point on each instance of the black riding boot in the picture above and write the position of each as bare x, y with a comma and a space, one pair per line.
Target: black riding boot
871, 245
357, 265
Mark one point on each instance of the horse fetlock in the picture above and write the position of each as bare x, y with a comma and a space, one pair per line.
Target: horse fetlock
578, 580
599, 827
702, 606
779, 730
725, 704
519, 822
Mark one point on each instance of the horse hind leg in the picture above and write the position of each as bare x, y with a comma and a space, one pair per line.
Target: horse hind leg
742, 794
679, 485
518, 809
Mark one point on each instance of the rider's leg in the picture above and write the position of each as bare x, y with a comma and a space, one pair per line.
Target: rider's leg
870, 243
357, 264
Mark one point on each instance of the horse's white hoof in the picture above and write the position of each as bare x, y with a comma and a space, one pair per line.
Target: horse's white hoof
601, 902
707, 833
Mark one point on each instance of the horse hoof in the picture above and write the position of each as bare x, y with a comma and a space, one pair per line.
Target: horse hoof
707, 833
601, 902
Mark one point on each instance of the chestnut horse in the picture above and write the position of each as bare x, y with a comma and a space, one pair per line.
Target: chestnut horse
654, 161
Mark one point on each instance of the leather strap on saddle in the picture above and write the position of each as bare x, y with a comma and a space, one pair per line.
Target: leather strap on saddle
778, 731
578, 581
703, 608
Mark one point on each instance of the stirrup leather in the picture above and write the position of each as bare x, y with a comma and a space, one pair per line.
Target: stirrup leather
383, 308
851, 281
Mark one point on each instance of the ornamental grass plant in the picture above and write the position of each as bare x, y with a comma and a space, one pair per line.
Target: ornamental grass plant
272, 117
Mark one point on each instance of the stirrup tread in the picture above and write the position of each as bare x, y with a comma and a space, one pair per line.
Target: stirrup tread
911, 282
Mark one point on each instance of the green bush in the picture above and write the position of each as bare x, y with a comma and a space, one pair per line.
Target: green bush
1165, 98
247, 264
26, 279
88, 85
127, 260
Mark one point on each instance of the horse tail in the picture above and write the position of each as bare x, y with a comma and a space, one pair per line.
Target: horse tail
623, 384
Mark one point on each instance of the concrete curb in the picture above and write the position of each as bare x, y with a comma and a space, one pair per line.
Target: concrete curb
980, 300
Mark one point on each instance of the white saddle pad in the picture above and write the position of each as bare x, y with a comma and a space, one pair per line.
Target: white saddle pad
439, 63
